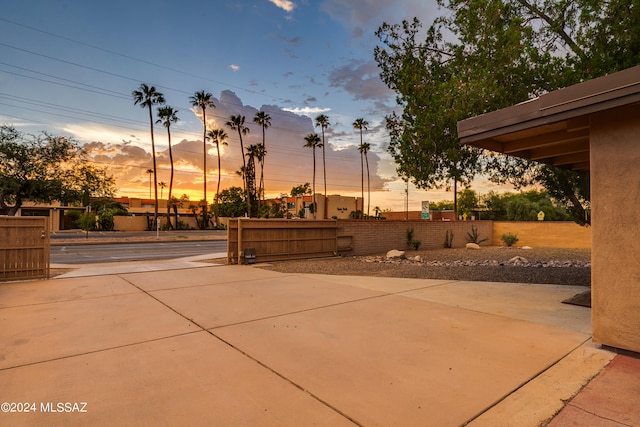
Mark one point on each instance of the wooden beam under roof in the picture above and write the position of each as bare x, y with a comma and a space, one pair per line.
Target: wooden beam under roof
544, 140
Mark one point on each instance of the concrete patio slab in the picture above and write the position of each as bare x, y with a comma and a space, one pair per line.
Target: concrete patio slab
535, 303
41, 292
284, 349
201, 277
236, 301
542, 397
394, 360
381, 284
190, 380
121, 268
38, 332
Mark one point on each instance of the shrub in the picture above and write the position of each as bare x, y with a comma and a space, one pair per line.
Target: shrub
474, 237
183, 226
448, 239
509, 239
411, 242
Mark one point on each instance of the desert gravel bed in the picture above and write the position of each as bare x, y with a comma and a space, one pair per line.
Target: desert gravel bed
491, 264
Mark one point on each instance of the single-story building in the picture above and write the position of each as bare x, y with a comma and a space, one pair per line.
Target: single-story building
592, 126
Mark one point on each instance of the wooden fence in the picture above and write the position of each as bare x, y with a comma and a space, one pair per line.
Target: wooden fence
279, 239
24, 248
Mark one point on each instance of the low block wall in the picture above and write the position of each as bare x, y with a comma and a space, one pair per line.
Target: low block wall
356, 237
130, 223
544, 234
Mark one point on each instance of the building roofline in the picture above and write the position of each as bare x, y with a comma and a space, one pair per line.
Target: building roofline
604, 93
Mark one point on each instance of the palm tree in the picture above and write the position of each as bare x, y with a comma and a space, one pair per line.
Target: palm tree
365, 149
361, 124
147, 97
218, 137
259, 154
236, 122
150, 172
203, 100
168, 115
253, 152
162, 186
323, 121
264, 120
313, 141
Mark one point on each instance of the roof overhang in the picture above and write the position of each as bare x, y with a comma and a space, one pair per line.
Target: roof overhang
553, 128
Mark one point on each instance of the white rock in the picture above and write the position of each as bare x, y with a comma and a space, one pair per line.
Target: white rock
416, 258
395, 254
526, 248
473, 246
518, 260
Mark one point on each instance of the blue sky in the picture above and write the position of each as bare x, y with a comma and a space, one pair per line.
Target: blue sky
69, 67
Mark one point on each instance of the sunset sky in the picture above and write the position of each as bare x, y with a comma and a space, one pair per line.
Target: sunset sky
68, 67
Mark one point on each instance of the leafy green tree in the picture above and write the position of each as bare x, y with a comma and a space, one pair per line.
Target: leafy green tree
264, 120
147, 97
218, 137
495, 206
323, 121
523, 206
87, 222
232, 203
496, 53
467, 202
168, 115
313, 142
236, 122
45, 168
443, 205
105, 208
301, 190
202, 100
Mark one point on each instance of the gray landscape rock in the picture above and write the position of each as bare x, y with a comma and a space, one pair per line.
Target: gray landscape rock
395, 254
473, 246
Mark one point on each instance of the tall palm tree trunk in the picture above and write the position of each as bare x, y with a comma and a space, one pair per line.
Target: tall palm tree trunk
324, 167
205, 214
361, 177
244, 164
218, 188
264, 147
170, 183
155, 174
366, 158
315, 205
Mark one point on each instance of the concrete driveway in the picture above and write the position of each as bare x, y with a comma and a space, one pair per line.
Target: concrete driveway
243, 346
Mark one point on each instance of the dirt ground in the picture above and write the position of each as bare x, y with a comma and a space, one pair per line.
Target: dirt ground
492, 263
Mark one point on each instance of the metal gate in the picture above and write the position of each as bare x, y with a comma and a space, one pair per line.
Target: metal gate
24, 248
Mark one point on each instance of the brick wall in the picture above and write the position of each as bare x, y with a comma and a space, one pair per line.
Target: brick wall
374, 237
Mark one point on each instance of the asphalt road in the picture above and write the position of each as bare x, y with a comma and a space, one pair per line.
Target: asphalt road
108, 252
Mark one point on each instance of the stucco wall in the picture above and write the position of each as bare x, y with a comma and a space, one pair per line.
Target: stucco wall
615, 198
544, 234
129, 223
375, 237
